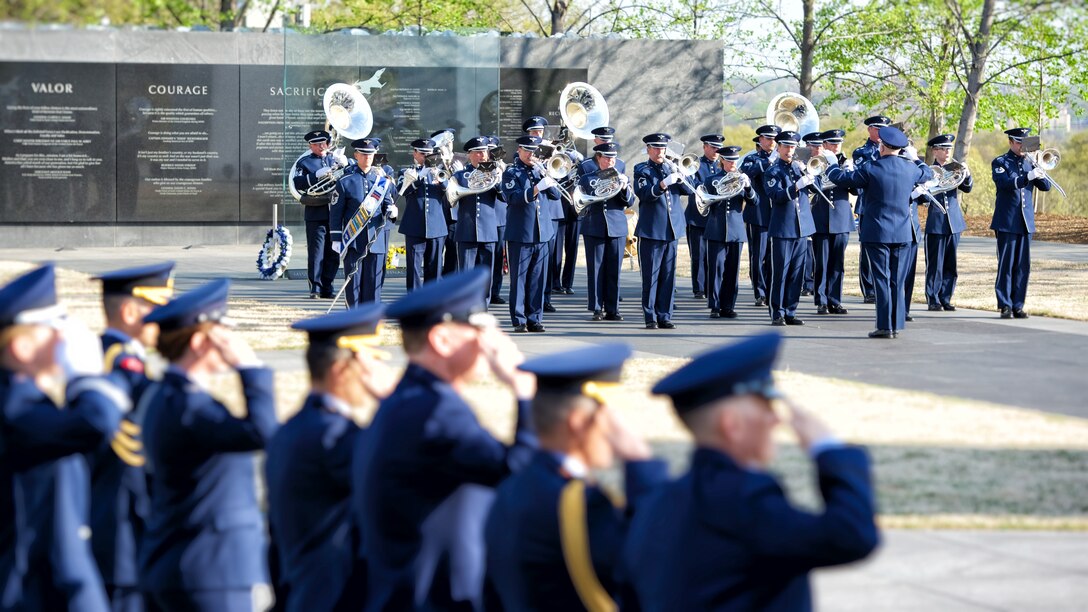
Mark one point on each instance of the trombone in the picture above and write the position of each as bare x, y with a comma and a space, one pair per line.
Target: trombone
1045, 161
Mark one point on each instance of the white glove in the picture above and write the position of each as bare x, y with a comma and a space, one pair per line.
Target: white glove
911, 153
747, 181
340, 158
410, 176
830, 157
848, 165
773, 157
79, 351
805, 181
966, 171
337, 247
624, 181
919, 192
1035, 173
545, 183
322, 171
392, 213
674, 178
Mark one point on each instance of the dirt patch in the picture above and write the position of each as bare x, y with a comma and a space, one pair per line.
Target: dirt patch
1049, 227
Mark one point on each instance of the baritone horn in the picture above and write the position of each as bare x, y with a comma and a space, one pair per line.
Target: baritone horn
728, 186
794, 112
607, 184
484, 178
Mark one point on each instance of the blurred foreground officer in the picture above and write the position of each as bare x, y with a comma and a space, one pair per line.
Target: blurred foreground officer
943, 229
554, 538
424, 221
833, 226
605, 231
790, 189
45, 558
1014, 223
725, 234
724, 536
309, 459
708, 164
887, 226
321, 260
865, 154
425, 469
204, 548
757, 215
119, 502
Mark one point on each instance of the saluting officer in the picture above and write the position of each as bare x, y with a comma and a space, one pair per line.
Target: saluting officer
366, 254
886, 225
724, 536
605, 232
658, 185
204, 548
119, 502
725, 234
425, 468
495, 153
943, 231
309, 459
788, 188
554, 538
45, 560
1014, 222
530, 198
866, 153
424, 221
697, 248
478, 220
833, 227
757, 215
321, 260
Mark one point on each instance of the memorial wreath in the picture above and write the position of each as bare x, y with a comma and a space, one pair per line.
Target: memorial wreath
275, 253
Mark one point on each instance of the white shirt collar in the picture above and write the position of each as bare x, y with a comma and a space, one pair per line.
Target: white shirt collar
337, 405
573, 466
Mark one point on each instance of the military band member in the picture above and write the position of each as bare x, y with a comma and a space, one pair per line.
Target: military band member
724, 536
426, 468
886, 224
477, 214
790, 190
534, 126
119, 501
725, 236
697, 248
815, 143
757, 216
605, 232
554, 538
46, 561
423, 222
866, 153
530, 196
833, 227
449, 247
659, 186
309, 459
204, 545
570, 228
365, 257
943, 231
494, 146
601, 135
1014, 222
321, 260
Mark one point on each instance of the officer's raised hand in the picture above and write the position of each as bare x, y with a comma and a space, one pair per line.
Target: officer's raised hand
234, 350
503, 357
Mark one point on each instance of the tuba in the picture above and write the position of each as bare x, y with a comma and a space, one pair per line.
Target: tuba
793, 112
607, 184
484, 178
730, 185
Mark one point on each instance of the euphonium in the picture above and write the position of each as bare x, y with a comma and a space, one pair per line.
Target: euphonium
607, 184
947, 177
728, 186
481, 179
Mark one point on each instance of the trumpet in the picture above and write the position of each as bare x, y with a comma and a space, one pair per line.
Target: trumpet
608, 183
730, 185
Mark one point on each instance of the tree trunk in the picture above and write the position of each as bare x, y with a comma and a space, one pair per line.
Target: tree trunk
808, 46
226, 17
559, 14
980, 52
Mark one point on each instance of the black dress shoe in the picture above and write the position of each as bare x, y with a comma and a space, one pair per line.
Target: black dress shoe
909, 318
519, 329
651, 325
837, 309
806, 292
881, 333
1019, 314
870, 299
895, 333
761, 301
327, 296
1006, 313
598, 315
779, 322
549, 308
699, 296
498, 300
933, 307
948, 307
613, 316
536, 328
666, 325
313, 295
714, 314
729, 314
568, 291
794, 321
821, 310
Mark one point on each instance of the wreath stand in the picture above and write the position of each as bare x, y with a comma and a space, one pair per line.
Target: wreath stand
275, 253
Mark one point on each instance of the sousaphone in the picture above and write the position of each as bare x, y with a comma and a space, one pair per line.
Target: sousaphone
347, 115
793, 112
582, 109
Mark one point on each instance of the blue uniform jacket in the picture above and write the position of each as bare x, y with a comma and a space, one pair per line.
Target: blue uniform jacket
529, 215
305, 177
1014, 211
937, 222
888, 183
605, 219
865, 154
839, 220
423, 213
205, 530
478, 214
754, 165
309, 497
726, 538
423, 446
791, 209
691, 212
351, 191
525, 563
660, 215
725, 221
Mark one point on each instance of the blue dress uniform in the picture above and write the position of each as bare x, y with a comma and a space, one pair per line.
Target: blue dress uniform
554, 538
204, 548
366, 254
555, 255
496, 153
604, 229
725, 235
943, 238
833, 227
1014, 223
321, 260
529, 228
790, 226
697, 246
887, 225
570, 228
308, 472
866, 153
660, 225
425, 468
724, 536
119, 499
757, 215
449, 247
423, 221
477, 230
45, 559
